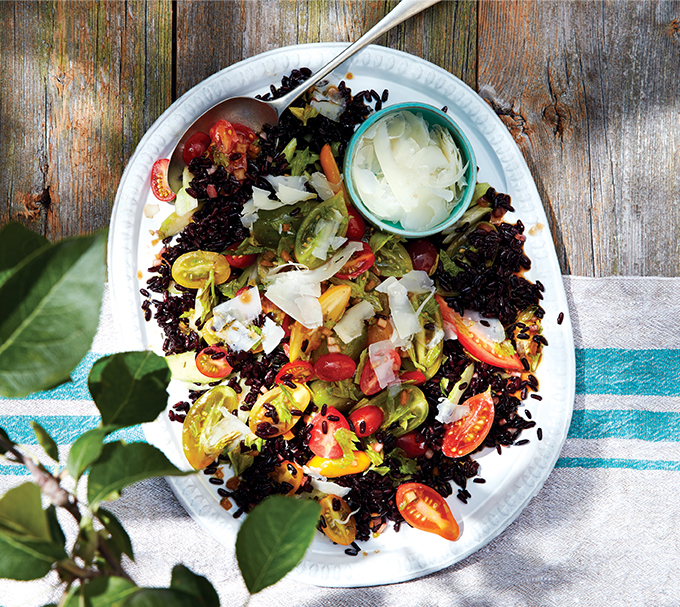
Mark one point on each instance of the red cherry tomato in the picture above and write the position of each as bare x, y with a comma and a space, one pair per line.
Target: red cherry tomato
224, 136
196, 145
159, 180
334, 367
412, 444
240, 261
322, 441
248, 134
501, 355
465, 435
424, 255
423, 508
413, 377
356, 228
366, 420
358, 263
212, 362
298, 372
369, 383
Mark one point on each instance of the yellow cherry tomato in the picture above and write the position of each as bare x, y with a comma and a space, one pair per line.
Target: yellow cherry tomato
337, 520
192, 269
332, 468
275, 412
288, 472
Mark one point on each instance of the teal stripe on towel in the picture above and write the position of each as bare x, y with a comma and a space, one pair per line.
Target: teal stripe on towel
630, 464
643, 425
643, 372
64, 429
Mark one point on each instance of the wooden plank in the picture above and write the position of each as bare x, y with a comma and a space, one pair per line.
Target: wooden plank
590, 92
92, 78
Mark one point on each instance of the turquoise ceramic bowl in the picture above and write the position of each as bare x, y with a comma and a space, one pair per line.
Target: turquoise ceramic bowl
432, 116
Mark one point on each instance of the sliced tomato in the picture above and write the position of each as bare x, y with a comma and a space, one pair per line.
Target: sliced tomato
245, 132
466, 434
192, 270
369, 383
212, 362
356, 228
159, 180
322, 441
413, 377
359, 263
288, 472
337, 521
412, 444
224, 136
501, 355
240, 261
334, 468
367, 420
195, 147
423, 508
334, 367
298, 372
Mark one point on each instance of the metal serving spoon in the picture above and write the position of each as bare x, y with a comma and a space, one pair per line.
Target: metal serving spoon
253, 113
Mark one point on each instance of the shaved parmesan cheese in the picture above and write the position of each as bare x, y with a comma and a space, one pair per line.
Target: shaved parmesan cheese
238, 336
325, 234
381, 362
272, 334
450, 412
404, 316
494, 331
245, 307
322, 484
351, 325
297, 292
406, 171
329, 101
322, 186
225, 433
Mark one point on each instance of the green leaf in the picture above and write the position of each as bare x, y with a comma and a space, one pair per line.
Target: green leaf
129, 388
56, 531
121, 465
85, 450
106, 591
45, 440
274, 538
16, 244
49, 311
22, 559
86, 542
4, 447
160, 597
185, 580
119, 536
21, 513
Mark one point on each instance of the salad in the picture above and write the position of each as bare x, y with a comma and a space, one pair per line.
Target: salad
326, 359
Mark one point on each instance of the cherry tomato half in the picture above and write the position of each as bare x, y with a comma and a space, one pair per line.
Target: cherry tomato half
159, 181
224, 136
334, 468
501, 355
356, 228
359, 263
337, 521
195, 146
240, 261
297, 372
423, 508
192, 269
334, 367
369, 383
322, 441
245, 132
413, 377
412, 444
212, 362
367, 420
424, 255
466, 434
290, 473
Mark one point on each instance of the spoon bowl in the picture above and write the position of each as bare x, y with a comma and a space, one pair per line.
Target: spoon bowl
254, 113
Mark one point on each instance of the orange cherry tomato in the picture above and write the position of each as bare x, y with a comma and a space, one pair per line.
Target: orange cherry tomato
288, 472
466, 434
333, 468
423, 508
338, 521
212, 362
499, 355
159, 180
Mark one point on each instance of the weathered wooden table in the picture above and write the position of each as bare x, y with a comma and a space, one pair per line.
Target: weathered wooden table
589, 90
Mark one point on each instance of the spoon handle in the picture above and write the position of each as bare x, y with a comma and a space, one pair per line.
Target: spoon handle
404, 10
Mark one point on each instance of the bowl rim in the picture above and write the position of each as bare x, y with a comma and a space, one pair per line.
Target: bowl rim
461, 141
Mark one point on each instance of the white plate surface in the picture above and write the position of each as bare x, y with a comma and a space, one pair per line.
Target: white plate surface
512, 478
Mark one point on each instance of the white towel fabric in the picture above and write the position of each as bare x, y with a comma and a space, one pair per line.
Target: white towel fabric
604, 530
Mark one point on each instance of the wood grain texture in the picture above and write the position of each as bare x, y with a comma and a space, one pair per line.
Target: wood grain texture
590, 92
81, 83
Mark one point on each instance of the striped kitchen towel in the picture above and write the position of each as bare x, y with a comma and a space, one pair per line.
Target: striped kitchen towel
605, 528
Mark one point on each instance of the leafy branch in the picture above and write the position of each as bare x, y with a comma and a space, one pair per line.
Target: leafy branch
50, 294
